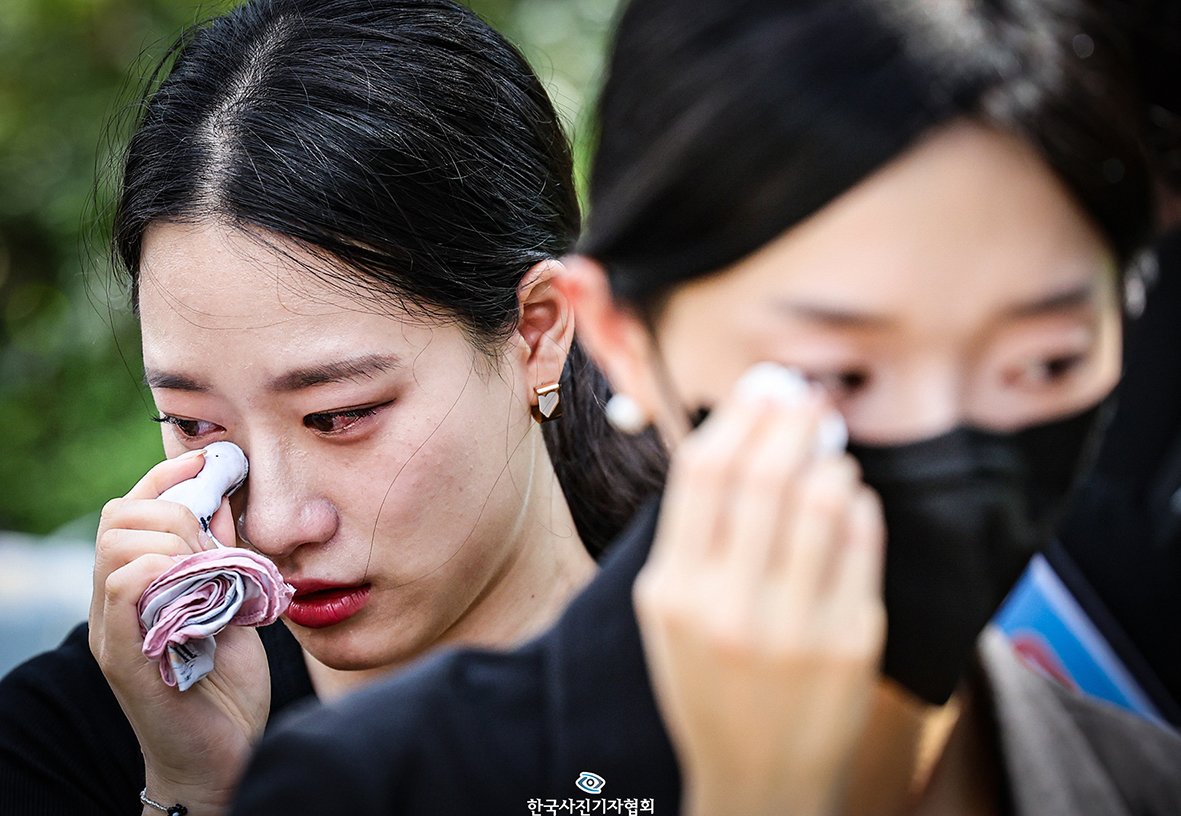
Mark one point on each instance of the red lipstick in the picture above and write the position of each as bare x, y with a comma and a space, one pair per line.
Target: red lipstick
317, 605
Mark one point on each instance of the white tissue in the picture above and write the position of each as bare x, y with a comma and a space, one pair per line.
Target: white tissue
791, 386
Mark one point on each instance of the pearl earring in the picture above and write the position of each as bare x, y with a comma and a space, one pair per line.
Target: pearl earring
625, 414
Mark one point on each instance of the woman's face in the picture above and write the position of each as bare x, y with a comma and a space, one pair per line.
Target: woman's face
388, 456
959, 284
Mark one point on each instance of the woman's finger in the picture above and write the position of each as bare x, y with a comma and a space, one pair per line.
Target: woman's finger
701, 481
117, 634
120, 547
756, 522
811, 545
168, 473
134, 527
860, 570
149, 514
221, 525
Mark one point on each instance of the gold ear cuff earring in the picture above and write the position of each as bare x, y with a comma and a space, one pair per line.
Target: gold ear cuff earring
549, 402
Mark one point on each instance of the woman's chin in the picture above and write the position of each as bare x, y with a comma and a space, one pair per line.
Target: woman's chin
348, 647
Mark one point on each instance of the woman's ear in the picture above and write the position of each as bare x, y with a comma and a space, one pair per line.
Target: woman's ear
546, 324
612, 334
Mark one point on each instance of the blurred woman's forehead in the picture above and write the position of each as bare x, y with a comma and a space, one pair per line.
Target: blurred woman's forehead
970, 224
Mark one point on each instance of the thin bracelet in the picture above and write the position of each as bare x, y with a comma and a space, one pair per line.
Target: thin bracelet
172, 810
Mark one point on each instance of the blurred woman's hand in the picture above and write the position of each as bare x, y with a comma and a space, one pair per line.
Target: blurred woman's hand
196, 743
761, 607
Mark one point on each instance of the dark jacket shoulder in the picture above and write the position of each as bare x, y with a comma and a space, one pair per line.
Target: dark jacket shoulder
424, 742
64, 742
65, 745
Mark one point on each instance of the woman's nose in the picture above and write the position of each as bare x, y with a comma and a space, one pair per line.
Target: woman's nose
281, 510
923, 403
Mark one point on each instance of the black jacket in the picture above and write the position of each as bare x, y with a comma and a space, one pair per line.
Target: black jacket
470, 732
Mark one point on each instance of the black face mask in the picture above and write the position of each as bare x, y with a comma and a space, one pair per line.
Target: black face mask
965, 511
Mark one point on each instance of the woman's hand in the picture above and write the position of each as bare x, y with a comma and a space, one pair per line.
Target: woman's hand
760, 608
196, 743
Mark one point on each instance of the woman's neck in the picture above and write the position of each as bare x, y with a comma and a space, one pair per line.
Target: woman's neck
546, 566
917, 759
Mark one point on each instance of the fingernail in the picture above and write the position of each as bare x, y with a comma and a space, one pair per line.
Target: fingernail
775, 382
205, 541
193, 454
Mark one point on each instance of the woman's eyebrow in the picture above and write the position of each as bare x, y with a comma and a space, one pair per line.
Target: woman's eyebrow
834, 316
843, 317
1072, 297
356, 368
173, 381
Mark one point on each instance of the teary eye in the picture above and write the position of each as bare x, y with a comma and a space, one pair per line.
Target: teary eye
335, 422
188, 428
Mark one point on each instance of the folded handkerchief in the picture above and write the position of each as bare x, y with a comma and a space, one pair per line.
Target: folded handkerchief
200, 595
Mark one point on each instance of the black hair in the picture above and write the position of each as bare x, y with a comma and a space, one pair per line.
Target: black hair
1152, 30
722, 128
411, 147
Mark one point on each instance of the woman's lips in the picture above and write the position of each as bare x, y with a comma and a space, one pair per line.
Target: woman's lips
318, 605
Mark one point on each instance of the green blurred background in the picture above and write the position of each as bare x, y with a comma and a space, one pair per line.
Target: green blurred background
74, 428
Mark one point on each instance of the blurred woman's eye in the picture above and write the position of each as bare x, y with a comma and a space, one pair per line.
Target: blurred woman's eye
188, 428
841, 384
1047, 371
335, 422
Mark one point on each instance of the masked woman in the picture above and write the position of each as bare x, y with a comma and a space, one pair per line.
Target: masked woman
340, 222
925, 209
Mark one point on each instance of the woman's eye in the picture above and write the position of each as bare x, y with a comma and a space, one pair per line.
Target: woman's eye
188, 428
334, 422
841, 384
1049, 371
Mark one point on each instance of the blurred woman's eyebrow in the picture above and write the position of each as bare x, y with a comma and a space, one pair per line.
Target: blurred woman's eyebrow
834, 316
844, 317
1063, 300
364, 367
